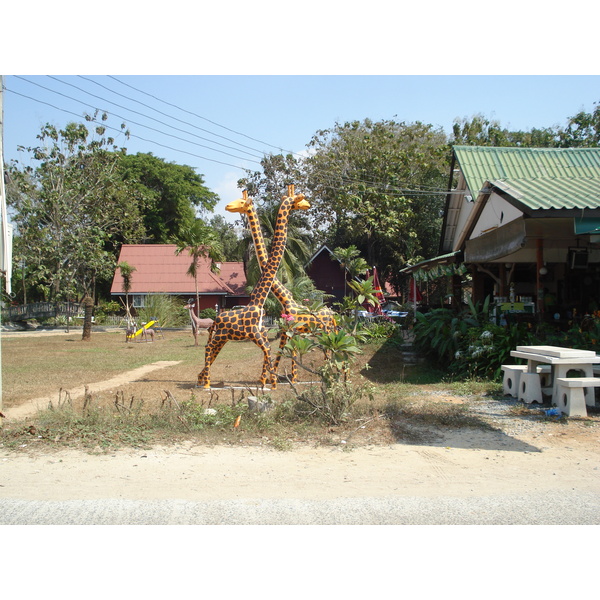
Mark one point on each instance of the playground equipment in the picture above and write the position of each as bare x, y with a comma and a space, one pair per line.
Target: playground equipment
152, 329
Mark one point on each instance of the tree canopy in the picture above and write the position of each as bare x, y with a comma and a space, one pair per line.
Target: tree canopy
169, 194
72, 209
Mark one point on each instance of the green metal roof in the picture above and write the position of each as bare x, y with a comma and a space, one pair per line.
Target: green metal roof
540, 178
553, 192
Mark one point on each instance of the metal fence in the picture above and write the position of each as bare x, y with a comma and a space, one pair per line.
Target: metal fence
42, 310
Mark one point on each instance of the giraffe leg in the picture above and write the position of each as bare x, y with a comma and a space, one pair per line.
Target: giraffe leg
212, 351
282, 343
267, 370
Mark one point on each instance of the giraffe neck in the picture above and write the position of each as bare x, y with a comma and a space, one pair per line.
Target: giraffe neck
280, 292
263, 287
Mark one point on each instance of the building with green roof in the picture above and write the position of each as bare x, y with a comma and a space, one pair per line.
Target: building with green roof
525, 222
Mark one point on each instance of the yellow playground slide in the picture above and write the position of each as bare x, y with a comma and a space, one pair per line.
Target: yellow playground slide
146, 326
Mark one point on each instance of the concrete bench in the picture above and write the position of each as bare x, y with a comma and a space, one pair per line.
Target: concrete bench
571, 396
511, 382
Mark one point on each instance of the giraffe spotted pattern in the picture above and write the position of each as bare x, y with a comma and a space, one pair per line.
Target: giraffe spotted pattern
247, 322
304, 321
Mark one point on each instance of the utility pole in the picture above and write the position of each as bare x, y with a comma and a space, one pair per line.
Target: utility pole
5, 272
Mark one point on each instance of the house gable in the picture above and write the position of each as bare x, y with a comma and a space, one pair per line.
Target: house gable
498, 185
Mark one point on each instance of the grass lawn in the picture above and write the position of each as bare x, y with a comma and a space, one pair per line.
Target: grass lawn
165, 405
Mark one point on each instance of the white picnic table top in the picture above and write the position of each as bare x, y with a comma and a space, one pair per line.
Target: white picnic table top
555, 355
556, 351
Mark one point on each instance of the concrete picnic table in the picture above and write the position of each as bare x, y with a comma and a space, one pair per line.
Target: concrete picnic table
561, 361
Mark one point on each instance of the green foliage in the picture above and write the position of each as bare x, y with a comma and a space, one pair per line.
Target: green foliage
381, 329
467, 344
362, 176
107, 308
232, 244
71, 209
169, 194
333, 399
207, 313
168, 311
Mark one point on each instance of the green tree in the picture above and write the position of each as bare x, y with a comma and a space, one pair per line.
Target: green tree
169, 194
71, 209
351, 262
582, 130
127, 271
363, 292
481, 131
378, 186
277, 172
233, 248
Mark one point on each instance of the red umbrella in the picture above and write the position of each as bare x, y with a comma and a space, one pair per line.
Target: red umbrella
378, 293
414, 295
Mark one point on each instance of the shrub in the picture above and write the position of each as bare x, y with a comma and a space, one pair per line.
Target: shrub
168, 311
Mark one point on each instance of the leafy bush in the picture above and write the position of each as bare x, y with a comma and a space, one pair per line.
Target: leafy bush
168, 311
467, 343
334, 398
208, 313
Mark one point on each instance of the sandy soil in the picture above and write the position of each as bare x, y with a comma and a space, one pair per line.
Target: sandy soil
519, 457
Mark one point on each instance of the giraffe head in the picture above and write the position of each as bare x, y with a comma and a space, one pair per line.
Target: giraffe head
241, 205
300, 203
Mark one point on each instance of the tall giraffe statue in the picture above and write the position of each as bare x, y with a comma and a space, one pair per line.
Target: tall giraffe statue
247, 322
303, 321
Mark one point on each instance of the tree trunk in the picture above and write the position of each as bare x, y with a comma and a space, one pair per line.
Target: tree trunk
88, 309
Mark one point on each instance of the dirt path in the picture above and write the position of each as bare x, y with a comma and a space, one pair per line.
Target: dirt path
475, 464
30, 407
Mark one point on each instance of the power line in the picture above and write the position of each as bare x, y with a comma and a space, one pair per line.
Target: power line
200, 116
134, 122
130, 135
371, 185
148, 117
167, 115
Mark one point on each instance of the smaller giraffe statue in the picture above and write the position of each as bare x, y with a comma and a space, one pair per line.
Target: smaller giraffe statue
247, 322
302, 319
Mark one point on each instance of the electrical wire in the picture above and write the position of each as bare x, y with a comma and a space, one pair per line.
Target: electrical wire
134, 122
330, 183
130, 135
167, 115
200, 116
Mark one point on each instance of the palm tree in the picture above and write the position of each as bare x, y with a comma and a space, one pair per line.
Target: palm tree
127, 271
365, 292
200, 241
351, 262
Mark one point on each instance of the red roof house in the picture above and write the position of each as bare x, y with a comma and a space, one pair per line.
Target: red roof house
158, 270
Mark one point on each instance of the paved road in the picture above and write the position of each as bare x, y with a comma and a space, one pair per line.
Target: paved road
543, 509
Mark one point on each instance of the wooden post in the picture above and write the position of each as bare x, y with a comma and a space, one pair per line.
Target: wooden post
538, 280
88, 308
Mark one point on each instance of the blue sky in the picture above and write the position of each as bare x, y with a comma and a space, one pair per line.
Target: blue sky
264, 77
222, 124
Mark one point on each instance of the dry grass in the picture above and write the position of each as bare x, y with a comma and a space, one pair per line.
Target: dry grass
166, 406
